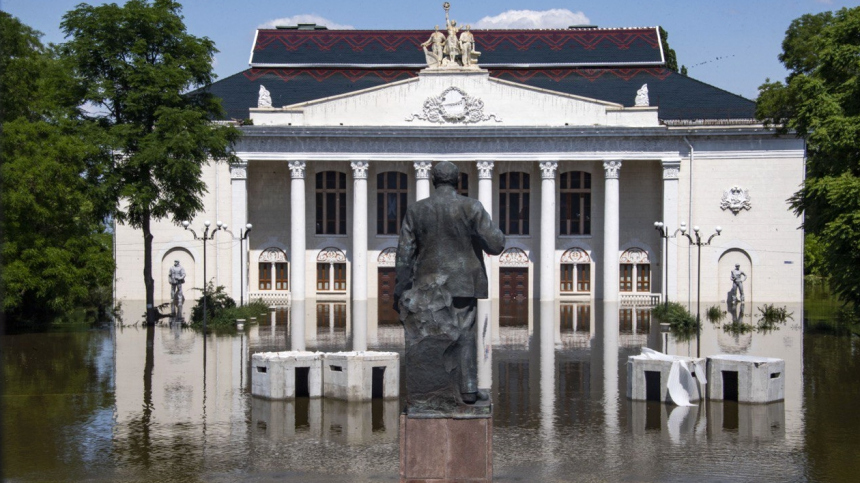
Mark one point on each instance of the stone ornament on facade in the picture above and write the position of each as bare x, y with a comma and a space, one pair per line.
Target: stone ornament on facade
297, 169
454, 105
642, 97
671, 169
239, 171
422, 169
387, 258
612, 168
331, 255
634, 255
736, 199
575, 255
514, 257
359, 169
264, 99
547, 169
485, 169
273, 255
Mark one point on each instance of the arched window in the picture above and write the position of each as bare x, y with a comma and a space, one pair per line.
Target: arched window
575, 203
331, 203
331, 270
390, 202
273, 270
634, 266
514, 200
575, 271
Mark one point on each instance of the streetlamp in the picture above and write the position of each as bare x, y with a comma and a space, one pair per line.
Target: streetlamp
698, 242
206, 236
243, 235
664, 234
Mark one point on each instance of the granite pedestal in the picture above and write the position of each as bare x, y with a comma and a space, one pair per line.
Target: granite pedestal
447, 449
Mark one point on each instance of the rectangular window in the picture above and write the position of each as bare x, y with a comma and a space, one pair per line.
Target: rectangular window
323, 277
625, 278
643, 321
583, 278
514, 198
281, 271
331, 203
643, 277
391, 197
583, 318
575, 203
265, 282
625, 321
339, 276
567, 278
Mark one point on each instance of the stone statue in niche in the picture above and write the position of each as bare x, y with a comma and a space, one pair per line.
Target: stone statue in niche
176, 278
440, 275
455, 50
738, 279
265, 98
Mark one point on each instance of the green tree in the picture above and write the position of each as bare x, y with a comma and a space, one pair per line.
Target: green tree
668, 52
56, 253
820, 101
138, 64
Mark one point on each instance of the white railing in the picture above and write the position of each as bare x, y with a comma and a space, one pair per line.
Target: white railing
270, 297
647, 299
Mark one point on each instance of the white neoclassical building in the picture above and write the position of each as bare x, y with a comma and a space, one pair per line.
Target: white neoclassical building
576, 141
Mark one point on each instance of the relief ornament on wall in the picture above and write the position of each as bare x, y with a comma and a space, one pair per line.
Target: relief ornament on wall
736, 199
454, 106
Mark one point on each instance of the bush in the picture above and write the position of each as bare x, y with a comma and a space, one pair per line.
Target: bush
714, 314
682, 324
222, 312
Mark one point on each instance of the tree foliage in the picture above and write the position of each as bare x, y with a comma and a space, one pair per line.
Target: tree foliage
138, 64
820, 101
668, 52
56, 253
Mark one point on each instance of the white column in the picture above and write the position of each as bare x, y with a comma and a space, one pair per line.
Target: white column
239, 218
359, 253
297, 231
610, 231
547, 231
485, 316
422, 179
671, 173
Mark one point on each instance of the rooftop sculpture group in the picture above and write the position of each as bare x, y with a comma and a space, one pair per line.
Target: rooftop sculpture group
451, 51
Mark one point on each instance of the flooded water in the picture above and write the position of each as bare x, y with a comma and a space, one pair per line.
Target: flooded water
167, 404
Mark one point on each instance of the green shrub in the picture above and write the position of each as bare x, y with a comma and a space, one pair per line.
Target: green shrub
681, 323
714, 314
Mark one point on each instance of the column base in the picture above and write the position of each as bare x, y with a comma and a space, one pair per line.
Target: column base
446, 449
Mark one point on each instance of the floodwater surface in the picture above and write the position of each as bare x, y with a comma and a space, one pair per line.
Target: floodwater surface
167, 404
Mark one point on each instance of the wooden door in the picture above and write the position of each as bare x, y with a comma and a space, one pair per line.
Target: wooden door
514, 283
387, 315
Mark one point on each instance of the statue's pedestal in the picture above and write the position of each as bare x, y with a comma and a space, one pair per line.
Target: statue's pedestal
446, 449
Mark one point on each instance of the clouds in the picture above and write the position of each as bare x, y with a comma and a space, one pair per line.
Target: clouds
304, 18
556, 18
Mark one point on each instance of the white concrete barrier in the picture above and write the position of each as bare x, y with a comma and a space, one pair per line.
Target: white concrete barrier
284, 375
359, 376
745, 378
649, 376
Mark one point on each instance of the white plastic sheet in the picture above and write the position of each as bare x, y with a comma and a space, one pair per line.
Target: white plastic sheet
681, 383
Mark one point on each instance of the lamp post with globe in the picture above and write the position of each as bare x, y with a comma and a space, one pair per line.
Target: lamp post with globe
699, 243
206, 237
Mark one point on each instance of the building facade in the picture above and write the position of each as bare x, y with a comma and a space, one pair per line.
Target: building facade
576, 141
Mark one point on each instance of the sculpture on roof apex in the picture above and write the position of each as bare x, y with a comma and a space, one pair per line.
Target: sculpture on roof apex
265, 98
642, 97
451, 51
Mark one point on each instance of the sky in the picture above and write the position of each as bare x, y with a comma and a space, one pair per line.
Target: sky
731, 44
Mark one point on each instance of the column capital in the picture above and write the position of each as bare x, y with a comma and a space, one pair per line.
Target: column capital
422, 169
671, 168
612, 168
485, 169
548, 169
359, 169
239, 170
297, 169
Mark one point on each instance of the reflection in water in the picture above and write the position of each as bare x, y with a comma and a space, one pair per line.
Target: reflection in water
160, 405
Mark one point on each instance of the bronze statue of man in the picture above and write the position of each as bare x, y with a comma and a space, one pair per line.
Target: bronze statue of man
440, 275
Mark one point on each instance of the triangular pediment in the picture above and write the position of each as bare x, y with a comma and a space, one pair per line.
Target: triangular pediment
456, 99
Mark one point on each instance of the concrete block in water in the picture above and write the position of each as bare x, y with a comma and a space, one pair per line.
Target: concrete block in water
746, 378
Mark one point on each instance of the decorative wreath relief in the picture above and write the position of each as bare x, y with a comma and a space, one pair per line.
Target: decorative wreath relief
736, 199
454, 106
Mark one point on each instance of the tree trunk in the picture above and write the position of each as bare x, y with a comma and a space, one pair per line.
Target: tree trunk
148, 281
